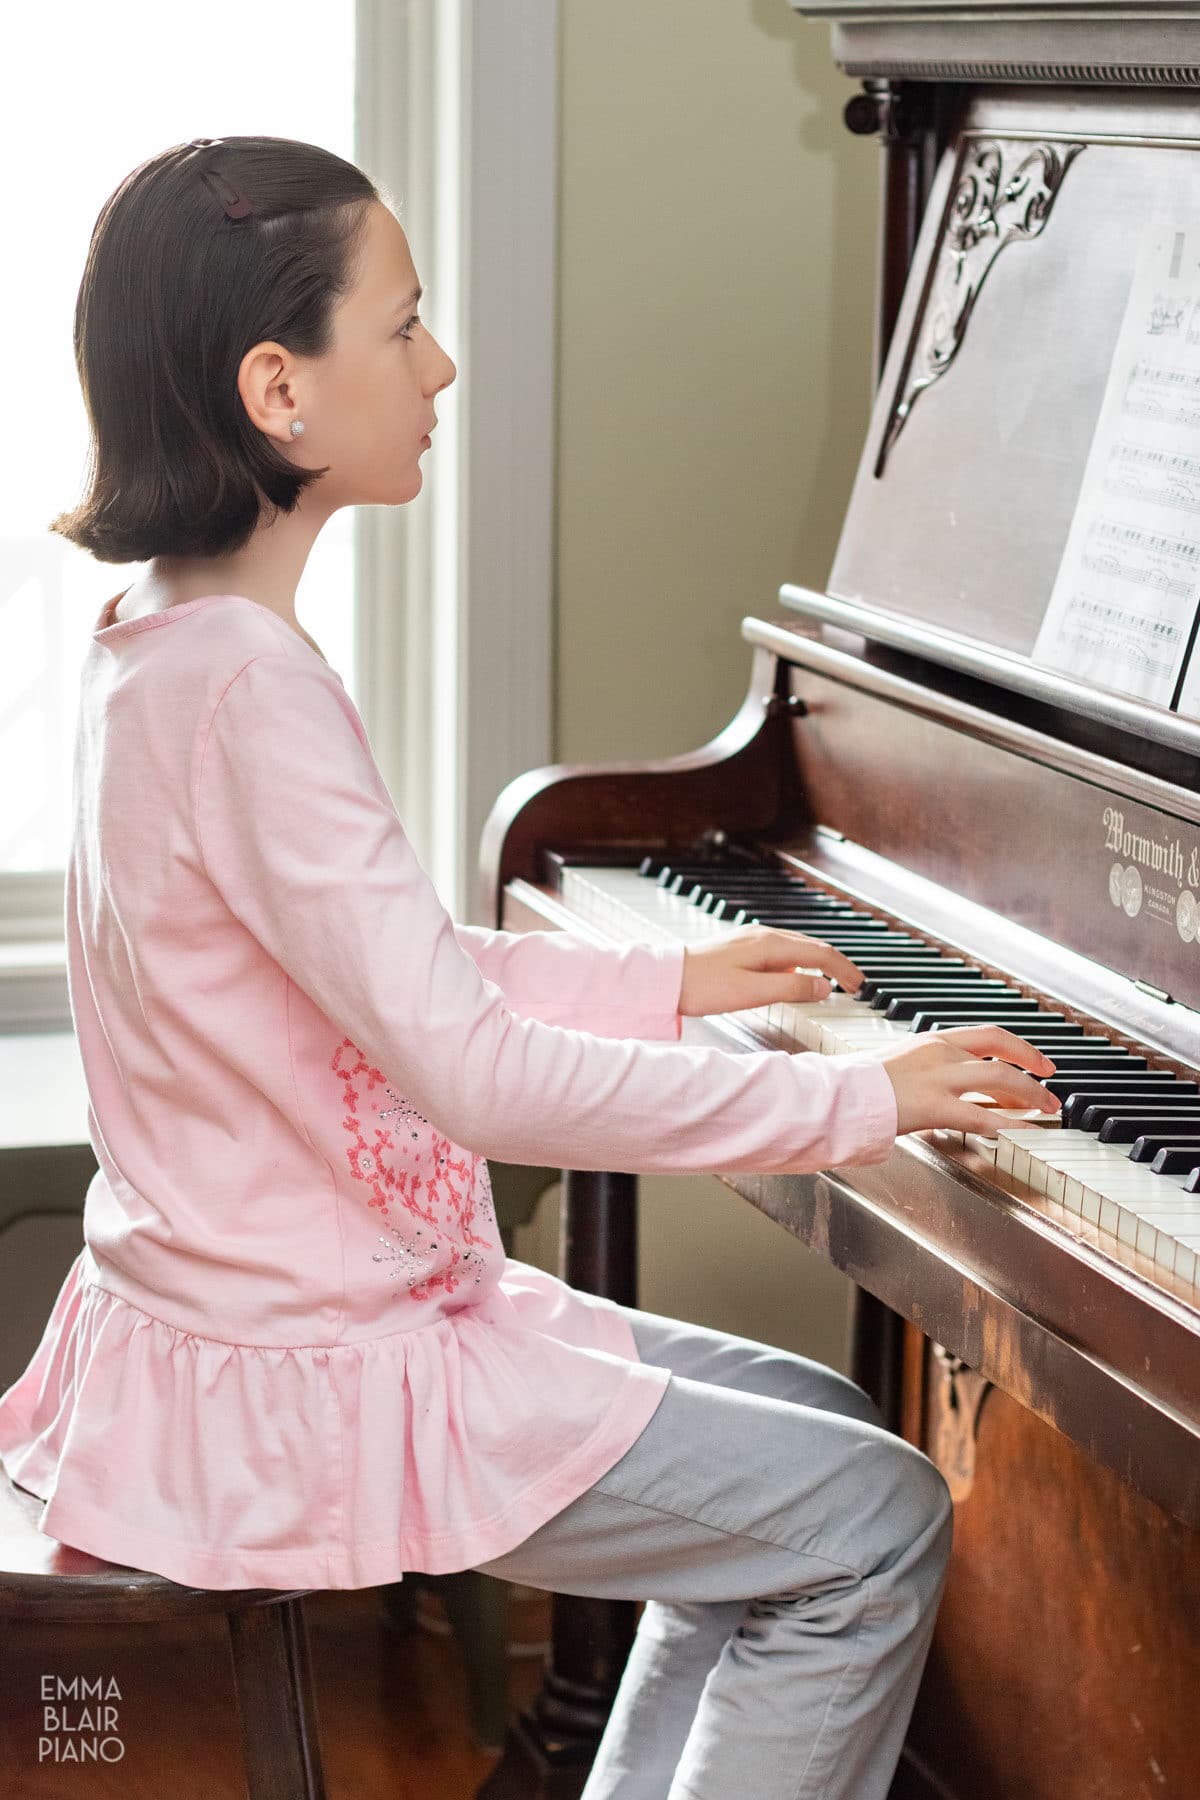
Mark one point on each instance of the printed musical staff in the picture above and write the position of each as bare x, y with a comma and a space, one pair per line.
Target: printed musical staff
1125, 603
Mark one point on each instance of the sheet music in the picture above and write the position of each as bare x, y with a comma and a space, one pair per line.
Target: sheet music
1126, 598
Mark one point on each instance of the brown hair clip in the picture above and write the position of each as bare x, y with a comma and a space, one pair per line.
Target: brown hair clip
236, 204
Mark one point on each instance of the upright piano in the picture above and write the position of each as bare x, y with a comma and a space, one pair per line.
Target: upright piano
973, 762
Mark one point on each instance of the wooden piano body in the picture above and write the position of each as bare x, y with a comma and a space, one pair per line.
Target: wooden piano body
901, 746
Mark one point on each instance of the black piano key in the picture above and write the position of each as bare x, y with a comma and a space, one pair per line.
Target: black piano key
749, 893
1078, 1110
779, 911
722, 876
917, 965
779, 889
953, 1012
717, 870
1124, 1102
1082, 1100
872, 934
1137, 1080
1119, 1128
1104, 1085
1128, 1106
730, 881
906, 1005
1073, 1061
1070, 1041
909, 960
870, 937
928, 995
877, 979
916, 996
883, 971
873, 974
1192, 1184
780, 898
802, 900
1182, 1150
868, 932
820, 924
721, 873
1012, 1022
798, 907
709, 899
888, 959
1083, 1068
950, 983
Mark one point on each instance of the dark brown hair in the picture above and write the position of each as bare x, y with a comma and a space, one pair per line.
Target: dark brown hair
173, 294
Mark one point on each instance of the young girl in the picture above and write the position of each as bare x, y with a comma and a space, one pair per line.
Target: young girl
292, 1353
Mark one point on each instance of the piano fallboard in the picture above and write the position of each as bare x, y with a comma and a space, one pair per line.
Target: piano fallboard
960, 783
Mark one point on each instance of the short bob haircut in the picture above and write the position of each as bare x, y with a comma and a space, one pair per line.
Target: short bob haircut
173, 294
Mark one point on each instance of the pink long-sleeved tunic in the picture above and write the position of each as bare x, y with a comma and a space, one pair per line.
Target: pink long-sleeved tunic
292, 1352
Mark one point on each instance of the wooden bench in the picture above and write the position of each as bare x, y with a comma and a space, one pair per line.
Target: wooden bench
43, 1580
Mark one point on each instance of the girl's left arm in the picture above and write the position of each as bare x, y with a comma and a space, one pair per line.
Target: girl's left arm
623, 990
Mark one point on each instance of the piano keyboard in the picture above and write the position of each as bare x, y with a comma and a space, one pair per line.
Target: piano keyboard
1124, 1154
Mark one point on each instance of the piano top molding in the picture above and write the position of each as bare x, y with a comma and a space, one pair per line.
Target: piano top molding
1131, 44
1003, 193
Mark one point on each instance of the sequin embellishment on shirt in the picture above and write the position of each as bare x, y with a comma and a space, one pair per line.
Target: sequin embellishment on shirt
405, 1161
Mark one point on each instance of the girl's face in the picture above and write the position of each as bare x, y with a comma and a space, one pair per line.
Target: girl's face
369, 402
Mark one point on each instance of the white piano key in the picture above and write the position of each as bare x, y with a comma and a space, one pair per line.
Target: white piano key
1151, 1224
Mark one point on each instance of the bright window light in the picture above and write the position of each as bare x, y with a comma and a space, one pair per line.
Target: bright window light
87, 94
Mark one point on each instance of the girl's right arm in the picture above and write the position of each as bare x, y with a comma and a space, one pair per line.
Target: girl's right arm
299, 835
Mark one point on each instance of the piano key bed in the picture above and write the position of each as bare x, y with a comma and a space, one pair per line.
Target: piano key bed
1123, 1160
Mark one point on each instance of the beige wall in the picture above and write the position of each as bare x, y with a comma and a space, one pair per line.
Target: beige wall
717, 253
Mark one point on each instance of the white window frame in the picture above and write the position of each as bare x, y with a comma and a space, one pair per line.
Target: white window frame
457, 118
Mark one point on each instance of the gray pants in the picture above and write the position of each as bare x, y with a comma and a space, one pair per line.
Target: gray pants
791, 1554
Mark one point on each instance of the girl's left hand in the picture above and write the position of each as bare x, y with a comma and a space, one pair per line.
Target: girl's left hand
758, 965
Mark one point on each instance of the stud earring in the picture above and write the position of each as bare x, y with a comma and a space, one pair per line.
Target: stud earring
297, 427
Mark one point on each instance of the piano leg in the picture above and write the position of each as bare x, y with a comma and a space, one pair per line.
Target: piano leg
551, 1746
877, 1354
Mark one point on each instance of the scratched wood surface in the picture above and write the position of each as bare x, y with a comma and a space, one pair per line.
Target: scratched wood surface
1067, 1648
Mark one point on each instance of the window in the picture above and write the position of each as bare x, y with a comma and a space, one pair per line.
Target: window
452, 107
110, 87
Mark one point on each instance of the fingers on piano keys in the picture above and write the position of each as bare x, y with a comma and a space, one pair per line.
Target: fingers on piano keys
1117, 1157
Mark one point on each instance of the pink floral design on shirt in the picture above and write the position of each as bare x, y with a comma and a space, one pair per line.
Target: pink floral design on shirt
408, 1161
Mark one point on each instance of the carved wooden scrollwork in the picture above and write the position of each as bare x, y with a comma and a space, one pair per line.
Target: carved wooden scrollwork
1004, 193
956, 1395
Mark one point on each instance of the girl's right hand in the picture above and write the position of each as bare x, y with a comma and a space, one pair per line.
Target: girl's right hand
932, 1072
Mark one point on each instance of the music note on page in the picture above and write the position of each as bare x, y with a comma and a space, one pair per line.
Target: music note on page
1126, 599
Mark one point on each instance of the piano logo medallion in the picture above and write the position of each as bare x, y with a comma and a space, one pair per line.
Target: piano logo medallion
1168, 858
1131, 891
